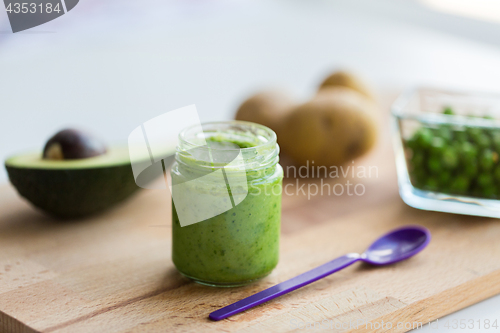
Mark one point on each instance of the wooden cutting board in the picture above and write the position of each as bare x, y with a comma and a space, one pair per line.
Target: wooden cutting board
113, 272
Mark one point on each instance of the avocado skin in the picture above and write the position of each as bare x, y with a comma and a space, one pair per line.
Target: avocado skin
74, 193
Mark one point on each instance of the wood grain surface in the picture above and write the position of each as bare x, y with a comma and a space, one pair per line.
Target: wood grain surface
113, 272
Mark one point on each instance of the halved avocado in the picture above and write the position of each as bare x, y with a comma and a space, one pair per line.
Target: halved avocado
73, 188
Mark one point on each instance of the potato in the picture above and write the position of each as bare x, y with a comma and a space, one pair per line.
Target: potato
349, 80
267, 108
335, 127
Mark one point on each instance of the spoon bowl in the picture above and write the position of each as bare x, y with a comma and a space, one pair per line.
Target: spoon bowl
397, 245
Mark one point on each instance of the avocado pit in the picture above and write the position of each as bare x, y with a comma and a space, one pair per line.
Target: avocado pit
70, 144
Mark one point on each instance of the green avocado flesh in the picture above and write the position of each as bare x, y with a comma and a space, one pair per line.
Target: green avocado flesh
73, 188
115, 156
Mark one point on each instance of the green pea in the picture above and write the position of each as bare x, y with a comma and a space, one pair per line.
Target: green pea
495, 139
487, 159
438, 145
414, 141
444, 179
434, 164
489, 132
478, 137
460, 185
488, 191
444, 132
448, 110
449, 158
431, 184
471, 169
468, 152
417, 159
496, 173
484, 180
484, 141
411, 143
473, 132
460, 136
424, 137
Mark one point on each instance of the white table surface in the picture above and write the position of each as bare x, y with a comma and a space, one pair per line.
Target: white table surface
110, 65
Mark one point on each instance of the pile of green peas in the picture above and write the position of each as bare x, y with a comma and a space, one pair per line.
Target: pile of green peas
461, 161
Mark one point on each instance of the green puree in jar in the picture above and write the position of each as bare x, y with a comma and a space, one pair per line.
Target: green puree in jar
241, 244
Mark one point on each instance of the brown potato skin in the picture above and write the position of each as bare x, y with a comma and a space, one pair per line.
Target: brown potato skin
336, 126
268, 108
349, 80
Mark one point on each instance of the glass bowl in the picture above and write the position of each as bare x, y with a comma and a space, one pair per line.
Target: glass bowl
447, 147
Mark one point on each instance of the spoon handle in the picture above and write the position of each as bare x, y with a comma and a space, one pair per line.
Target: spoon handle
286, 286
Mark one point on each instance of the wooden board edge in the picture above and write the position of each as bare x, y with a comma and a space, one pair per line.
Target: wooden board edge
430, 309
10, 324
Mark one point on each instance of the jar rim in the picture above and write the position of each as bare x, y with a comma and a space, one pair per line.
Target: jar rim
271, 140
262, 155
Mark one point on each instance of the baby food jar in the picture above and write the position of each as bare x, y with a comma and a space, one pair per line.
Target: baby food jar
226, 207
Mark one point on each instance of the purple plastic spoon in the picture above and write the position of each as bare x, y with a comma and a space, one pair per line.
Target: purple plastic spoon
397, 245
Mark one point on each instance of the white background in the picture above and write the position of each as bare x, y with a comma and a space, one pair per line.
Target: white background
111, 65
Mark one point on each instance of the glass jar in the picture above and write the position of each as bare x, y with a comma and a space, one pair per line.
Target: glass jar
226, 207
447, 147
